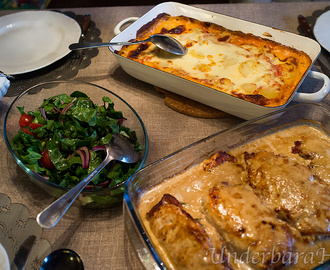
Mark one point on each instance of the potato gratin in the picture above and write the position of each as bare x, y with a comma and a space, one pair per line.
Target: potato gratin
262, 205
249, 67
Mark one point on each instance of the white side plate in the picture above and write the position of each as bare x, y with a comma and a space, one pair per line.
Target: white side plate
31, 40
4, 260
321, 30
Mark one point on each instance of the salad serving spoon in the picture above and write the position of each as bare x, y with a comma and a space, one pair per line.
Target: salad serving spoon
163, 42
119, 149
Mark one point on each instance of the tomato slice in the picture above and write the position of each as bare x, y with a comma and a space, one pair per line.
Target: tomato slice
45, 160
25, 120
35, 125
27, 131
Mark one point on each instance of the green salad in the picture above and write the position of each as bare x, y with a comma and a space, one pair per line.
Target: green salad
63, 140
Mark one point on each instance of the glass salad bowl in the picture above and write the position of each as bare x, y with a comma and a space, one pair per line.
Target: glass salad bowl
79, 120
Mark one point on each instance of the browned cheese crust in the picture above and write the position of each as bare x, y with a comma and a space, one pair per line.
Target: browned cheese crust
252, 68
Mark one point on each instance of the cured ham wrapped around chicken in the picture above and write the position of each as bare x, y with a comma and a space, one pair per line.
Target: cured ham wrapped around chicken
184, 238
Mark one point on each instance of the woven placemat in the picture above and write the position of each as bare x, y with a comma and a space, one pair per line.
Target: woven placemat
189, 107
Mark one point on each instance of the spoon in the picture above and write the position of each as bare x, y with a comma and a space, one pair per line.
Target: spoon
166, 43
62, 259
119, 149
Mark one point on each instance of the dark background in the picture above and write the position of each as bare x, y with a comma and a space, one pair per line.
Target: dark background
104, 3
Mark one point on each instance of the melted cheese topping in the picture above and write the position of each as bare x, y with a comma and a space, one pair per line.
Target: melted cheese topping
209, 61
190, 186
243, 65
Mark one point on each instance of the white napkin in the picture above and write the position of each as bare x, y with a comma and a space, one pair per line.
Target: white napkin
4, 85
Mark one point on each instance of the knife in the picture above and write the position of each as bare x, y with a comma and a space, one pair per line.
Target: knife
84, 24
324, 56
22, 254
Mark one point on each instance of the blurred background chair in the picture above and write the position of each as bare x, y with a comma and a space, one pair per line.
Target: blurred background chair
24, 4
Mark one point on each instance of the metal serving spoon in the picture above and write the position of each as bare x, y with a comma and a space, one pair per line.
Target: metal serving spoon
119, 149
164, 42
62, 259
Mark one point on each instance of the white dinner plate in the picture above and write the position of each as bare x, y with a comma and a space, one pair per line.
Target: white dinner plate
31, 40
322, 31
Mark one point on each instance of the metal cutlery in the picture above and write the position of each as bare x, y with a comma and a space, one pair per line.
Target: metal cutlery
84, 24
163, 42
22, 254
119, 148
6, 75
86, 20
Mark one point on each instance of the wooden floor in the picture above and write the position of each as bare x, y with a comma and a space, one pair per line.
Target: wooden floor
104, 3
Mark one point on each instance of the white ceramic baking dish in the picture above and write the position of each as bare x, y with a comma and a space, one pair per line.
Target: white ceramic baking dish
211, 97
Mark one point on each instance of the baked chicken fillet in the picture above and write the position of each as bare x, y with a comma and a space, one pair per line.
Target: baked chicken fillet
317, 152
185, 240
220, 164
249, 228
290, 190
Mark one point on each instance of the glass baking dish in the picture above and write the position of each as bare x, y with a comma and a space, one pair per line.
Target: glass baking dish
312, 114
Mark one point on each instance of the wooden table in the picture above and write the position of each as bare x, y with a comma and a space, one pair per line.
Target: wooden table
98, 235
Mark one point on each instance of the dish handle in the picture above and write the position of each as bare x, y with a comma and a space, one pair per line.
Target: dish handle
320, 94
117, 28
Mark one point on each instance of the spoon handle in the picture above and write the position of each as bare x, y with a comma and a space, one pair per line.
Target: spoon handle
49, 217
87, 45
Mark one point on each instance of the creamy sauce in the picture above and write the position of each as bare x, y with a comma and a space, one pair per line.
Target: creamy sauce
190, 186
